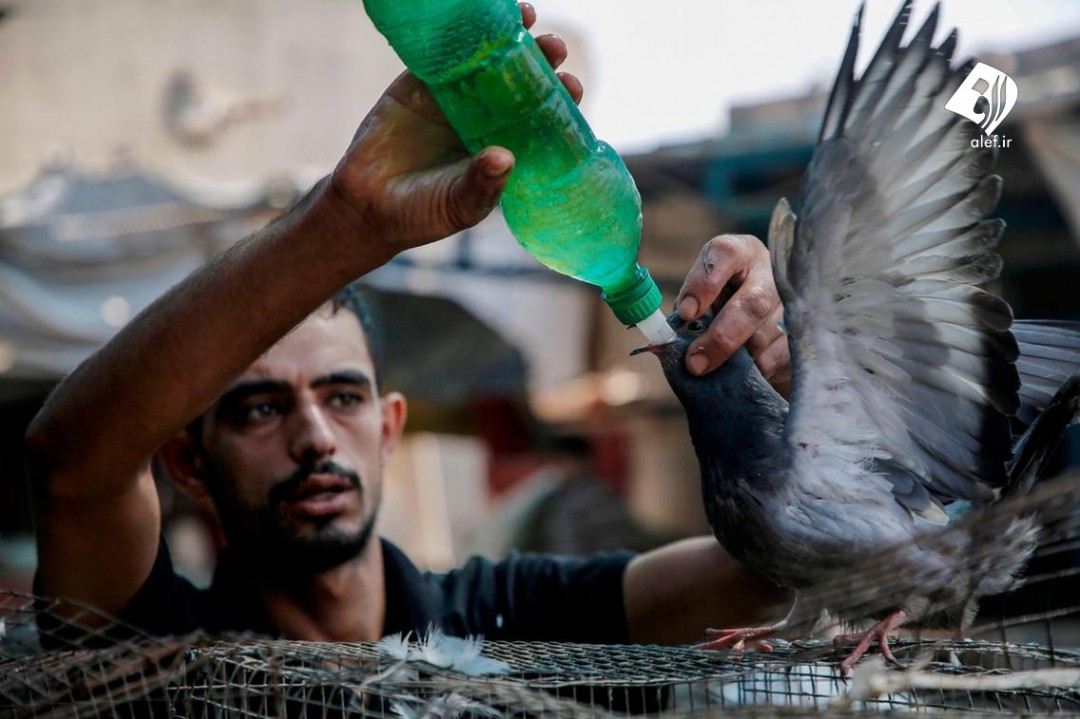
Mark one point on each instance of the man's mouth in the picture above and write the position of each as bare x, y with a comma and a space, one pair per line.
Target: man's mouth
320, 495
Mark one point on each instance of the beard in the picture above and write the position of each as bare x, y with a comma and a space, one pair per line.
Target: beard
267, 537
312, 553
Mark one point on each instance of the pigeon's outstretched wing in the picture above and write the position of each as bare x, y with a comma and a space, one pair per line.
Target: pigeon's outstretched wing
1049, 354
1037, 444
901, 363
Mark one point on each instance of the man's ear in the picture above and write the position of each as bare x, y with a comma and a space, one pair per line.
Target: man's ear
182, 458
394, 411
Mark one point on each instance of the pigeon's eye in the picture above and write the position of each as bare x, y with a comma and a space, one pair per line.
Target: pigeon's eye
697, 327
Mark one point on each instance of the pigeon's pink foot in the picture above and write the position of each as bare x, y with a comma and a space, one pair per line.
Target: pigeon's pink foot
738, 640
879, 631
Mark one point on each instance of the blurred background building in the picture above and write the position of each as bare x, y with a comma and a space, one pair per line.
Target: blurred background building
141, 138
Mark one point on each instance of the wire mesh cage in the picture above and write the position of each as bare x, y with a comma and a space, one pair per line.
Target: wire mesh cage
1022, 654
194, 677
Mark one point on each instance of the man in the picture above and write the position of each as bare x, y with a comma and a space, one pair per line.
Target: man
261, 398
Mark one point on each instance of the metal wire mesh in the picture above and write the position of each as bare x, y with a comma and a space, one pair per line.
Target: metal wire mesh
261, 678
61, 659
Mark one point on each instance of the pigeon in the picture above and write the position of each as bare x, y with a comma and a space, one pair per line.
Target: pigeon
906, 395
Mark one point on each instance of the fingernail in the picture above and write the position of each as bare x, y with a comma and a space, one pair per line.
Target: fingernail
497, 168
688, 308
698, 362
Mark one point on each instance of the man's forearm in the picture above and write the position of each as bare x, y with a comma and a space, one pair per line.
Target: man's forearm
168, 364
672, 594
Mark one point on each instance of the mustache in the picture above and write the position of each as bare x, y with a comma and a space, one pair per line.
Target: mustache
280, 491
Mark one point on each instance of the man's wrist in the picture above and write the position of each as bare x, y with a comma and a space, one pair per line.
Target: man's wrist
342, 229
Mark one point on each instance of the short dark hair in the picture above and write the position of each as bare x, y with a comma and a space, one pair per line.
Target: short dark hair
350, 297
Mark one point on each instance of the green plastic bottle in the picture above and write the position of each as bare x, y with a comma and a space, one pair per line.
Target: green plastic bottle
570, 200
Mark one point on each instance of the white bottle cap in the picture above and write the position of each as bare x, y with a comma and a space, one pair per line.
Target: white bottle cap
656, 329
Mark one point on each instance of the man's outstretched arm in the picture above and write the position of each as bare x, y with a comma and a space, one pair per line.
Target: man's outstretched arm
673, 594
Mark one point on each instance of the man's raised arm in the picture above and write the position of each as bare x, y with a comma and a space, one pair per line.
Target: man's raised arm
405, 180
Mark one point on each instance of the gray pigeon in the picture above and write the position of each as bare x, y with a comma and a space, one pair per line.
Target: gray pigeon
905, 380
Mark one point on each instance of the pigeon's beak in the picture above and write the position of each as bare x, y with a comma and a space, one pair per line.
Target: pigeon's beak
655, 347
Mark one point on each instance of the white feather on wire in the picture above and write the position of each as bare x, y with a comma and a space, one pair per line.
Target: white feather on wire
438, 649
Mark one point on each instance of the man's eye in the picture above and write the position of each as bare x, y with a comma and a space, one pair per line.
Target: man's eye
346, 399
260, 411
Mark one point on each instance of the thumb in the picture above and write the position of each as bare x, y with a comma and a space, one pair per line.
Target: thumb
475, 192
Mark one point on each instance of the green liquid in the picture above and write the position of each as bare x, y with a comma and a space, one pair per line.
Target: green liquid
570, 200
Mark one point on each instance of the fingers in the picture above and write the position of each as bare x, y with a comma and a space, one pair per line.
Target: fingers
554, 49
573, 86
767, 334
528, 14
770, 350
552, 46
721, 258
735, 324
735, 265
474, 193
775, 364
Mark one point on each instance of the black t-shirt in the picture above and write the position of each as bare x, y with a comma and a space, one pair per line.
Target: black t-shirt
523, 597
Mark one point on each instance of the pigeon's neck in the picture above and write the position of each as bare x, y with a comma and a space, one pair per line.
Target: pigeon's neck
736, 420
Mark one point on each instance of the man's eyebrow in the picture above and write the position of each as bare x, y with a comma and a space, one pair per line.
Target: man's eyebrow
246, 388
348, 376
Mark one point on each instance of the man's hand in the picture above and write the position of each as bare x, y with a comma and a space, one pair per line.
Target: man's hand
734, 277
407, 173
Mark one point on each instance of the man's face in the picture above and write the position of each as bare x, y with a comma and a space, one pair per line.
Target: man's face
294, 449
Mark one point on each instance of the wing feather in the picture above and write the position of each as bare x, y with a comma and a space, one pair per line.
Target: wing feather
899, 356
839, 98
1049, 355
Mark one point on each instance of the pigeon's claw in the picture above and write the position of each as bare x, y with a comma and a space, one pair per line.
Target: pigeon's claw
738, 640
879, 631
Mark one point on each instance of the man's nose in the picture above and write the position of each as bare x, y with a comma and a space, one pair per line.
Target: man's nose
311, 437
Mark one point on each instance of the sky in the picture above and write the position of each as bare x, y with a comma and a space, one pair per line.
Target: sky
664, 71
